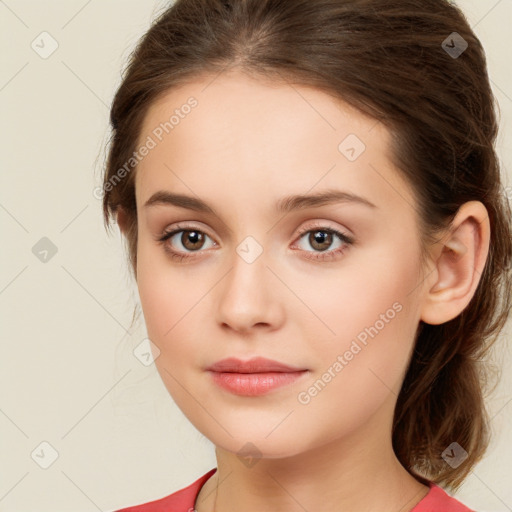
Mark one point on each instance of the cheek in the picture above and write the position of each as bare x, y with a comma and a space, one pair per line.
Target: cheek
167, 296
368, 317
169, 303
367, 290
362, 367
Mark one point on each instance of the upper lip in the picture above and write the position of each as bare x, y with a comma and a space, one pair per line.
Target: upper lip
255, 365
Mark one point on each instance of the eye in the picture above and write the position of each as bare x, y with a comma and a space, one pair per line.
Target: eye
189, 239
186, 238
320, 238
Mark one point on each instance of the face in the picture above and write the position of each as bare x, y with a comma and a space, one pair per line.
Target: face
330, 288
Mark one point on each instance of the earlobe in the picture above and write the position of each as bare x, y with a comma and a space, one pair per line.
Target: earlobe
459, 265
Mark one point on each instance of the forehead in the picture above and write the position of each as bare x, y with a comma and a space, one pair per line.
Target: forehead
266, 136
233, 104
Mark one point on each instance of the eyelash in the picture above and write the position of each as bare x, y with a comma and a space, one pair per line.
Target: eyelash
319, 256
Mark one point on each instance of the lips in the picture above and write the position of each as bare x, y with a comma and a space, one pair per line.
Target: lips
255, 377
255, 365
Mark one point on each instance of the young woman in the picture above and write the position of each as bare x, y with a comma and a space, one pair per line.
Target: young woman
316, 221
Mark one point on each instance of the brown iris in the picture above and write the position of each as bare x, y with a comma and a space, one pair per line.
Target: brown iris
192, 239
320, 237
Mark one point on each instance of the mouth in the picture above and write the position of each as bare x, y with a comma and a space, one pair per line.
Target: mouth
255, 377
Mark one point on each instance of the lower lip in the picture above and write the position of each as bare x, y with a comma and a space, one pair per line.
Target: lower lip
254, 384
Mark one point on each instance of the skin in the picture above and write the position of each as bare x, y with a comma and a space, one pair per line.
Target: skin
247, 144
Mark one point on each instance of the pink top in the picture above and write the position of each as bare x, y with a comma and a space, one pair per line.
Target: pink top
436, 500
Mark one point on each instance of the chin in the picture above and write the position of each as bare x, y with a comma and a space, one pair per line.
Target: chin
254, 443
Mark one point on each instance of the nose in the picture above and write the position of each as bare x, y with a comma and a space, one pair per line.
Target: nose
247, 297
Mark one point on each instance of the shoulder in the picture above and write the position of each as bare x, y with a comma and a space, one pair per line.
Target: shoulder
179, 501
438, 499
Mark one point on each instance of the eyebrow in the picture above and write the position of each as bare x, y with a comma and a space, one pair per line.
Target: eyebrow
284, 205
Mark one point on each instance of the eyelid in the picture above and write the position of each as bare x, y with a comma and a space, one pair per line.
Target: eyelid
181, 226
306, 228
324, 225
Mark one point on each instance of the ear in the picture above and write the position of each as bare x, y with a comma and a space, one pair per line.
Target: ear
461, 258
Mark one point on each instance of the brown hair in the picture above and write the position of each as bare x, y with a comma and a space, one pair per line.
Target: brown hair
389, 59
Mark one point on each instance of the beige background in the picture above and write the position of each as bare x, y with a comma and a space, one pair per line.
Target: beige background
68, 376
